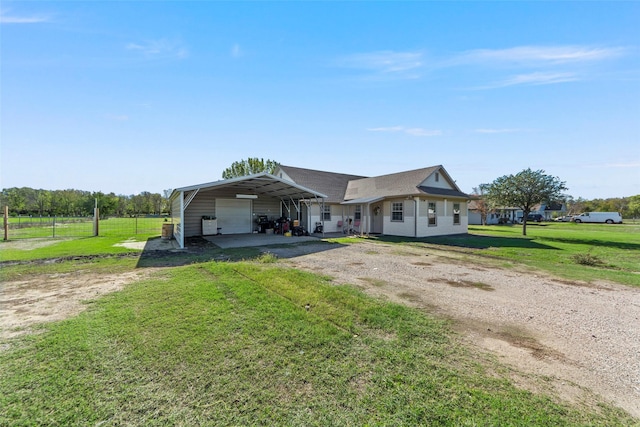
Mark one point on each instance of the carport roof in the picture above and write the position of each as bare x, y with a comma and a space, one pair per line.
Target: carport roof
261, 184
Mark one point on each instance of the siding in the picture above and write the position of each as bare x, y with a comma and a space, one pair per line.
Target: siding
338, 213
406, 227
204, 204
441, 183
444, 220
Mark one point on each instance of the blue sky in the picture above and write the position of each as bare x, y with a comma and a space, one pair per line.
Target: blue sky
147, 96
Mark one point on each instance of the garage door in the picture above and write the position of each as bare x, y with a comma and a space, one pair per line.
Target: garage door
234, 216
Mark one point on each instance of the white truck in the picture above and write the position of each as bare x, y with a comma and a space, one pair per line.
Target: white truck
602, 217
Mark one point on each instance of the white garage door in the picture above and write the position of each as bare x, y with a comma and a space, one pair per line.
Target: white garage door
234, 216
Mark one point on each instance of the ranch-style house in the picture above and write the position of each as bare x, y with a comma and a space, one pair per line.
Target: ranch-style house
417, 203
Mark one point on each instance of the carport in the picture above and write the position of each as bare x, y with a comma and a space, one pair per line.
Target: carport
233, 206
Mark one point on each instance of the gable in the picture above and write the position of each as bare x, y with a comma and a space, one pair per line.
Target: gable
439, 179
433, 180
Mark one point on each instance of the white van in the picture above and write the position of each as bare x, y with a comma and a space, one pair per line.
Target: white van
603, 217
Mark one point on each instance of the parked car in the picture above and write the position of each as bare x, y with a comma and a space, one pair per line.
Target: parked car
601, 217
534, 218
566, 218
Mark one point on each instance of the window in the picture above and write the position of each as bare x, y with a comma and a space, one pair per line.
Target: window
326, 214
397, 211
456, 214
437, 177
432, 214
358, 215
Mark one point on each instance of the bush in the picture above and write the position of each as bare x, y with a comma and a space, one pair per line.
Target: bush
587, 259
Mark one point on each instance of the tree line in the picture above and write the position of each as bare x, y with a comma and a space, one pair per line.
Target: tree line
71, 202
38, 202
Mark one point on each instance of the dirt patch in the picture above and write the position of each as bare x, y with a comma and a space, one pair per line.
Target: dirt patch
30, 244
54, 297
578, 340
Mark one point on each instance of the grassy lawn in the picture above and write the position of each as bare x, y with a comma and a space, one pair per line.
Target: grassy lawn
231, 343
64, 227
573, 251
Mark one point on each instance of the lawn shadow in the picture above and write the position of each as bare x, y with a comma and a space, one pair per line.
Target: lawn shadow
596, 242
199, 250
472, 241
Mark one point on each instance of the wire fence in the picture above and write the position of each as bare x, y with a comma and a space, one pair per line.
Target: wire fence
29, 227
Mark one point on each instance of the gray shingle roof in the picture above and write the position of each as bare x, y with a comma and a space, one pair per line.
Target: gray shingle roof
330, 183
434, 191
395, 184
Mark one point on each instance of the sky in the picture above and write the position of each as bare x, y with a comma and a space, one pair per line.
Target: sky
132, 96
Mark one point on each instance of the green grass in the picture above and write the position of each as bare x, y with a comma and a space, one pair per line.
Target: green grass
233, 344
557, 248
24, 250
43, 227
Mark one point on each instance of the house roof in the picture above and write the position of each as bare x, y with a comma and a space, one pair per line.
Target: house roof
402, 184
435, 191
261, 184
332, 184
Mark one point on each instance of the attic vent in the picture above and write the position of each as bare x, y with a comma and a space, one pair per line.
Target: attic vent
437, 177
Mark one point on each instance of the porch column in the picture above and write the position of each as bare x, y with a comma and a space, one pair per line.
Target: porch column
416, 215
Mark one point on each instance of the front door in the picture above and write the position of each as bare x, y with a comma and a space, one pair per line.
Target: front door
377, 218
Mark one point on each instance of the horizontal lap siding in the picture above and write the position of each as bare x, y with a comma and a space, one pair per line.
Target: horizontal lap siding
444, 221
338, 213
404, 228
204, 204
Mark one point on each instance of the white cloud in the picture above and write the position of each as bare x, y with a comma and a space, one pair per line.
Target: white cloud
408, 131
385, 63
539, 55
537, 78
387, 129
537, 65
161, 48
5, 19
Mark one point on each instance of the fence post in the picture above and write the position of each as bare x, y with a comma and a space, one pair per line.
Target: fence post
54, 226
6, 223
96, 222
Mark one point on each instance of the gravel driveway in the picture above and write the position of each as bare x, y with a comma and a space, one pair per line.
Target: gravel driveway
574, 339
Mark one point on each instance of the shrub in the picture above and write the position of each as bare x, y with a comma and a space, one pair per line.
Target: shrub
587, 259
268, 258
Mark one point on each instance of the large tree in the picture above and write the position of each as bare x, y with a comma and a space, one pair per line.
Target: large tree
524, 190
250, 166
634, 206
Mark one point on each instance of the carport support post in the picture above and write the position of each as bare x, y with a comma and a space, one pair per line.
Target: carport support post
6, 223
